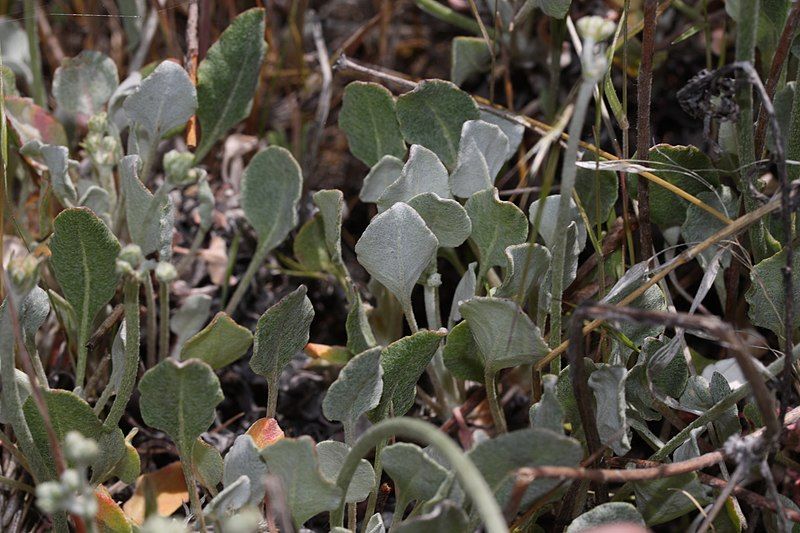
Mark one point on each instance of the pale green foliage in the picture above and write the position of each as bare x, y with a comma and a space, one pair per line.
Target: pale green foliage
422, 173
606, 514
219, 344
496, 225
331, 455
417, 477
368, 119
244, 459
83, 84
767, 292
331, 209
380, 176
357, 389
608, 385
446, 218
470, 57
481, 153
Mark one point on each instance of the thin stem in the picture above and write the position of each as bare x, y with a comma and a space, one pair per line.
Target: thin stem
14, 484
191, 485
378, 467
645, 84
466, 472
163, 324
132, 335
197, 242
442, 12
272, 396
494, 403
243, 286
408, 311
39, 94
152, 321
83, 354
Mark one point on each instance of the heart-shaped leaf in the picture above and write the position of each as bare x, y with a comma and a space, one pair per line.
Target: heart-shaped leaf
417, 477
83, 84
481, 153
396, 248
446, 218
357, 390
219, 344
380, 176
227, 77
244, 459
271, 186
180, 399
369, 121
423, 172
294, 462
432, 115
505, 335
331, 458
496, 225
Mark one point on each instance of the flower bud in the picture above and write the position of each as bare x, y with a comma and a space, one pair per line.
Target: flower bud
79, 450
594, 28
132, 255
165, 272
178, 168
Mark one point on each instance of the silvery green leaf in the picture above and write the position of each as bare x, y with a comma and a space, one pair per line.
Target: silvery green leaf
432, 115
57, 160
375, 524
309, 246
271, 187
653, 299
470, 57
396, 248
189, 318
461, 354
230, 499
423, 172
403, 363
143, 209
729, 369
307, 491
446, 516
97, 199
357, 389
331, 206
219, 344
597, 190
547, 225
24, 391
380, 176
180, 399
513, 129
446, 218
528, 265
496, 225
227, 77
689, 449
767, 293
608, 384
662, 500
83, 84
164, 100
464, 291
244, 459
369, 121
481, 154
606, 514
14, 45
207, 464
84, 255
331, 458
281, 332
417, 477
33, 312
116, 114
547, 412
505, 335
9, 80
727, 424
359, 332
699, 224
498, 460
65, 313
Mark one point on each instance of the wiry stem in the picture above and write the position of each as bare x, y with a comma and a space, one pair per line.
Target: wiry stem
131, 353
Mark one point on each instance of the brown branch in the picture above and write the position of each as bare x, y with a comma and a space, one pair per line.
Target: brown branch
643, 97
190, 64
105, 326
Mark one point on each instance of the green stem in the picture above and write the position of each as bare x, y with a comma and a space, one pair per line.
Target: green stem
272, 396
408, 311
567, 186
468, 475
36, 360
378, 467
243, 286
83, 355
191, 484
152, 321
39, 94
442, 12
197, 242
163, 325
442, 380
494, 403
131, 353
14, 484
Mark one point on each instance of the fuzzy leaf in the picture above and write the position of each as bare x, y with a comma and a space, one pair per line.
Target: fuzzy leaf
528, 265
219, 344
446, 218
189, 319
33, 312
227, 77
281, 332
207, 464
423, 172
380, 176
396, 248
481, 154
271, 187
180, 399
84, 255
145, 212
331, 207
432, 115
505, 335
604, 515
375, 524
403, 363
470, 57
30, 122
767, 294
309, 246
496, 225
548, 228
417, 477
331, 458
68, 413
608, 385
83, 84
307, 492
446, 516
129, 466
369, 121
230, 499
461, 354
359, 332
244, 459
57, 160
547, 413
357, 389
513, 129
